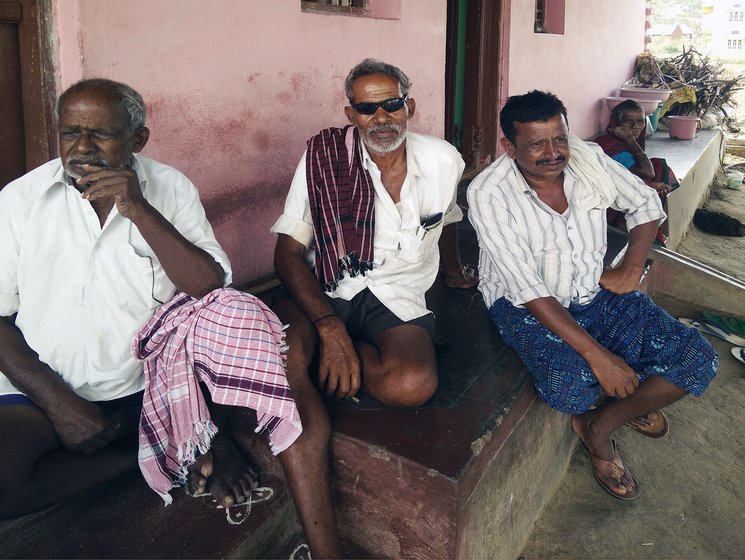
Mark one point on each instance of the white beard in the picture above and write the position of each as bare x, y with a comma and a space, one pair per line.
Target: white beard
387, 146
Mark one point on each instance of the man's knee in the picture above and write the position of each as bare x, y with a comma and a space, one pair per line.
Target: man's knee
570, 395
301, 348
17, 465
15, 478
408, 385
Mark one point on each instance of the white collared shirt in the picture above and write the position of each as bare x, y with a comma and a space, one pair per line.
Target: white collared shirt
528, 250
80, 290
406, 256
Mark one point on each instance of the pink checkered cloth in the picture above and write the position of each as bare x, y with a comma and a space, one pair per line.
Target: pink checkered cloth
232, 343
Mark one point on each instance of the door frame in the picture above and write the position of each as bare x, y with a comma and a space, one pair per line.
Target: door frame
38, 85
484, 70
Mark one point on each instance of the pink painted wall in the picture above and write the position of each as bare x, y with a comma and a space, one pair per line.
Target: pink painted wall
235, 87
592, 59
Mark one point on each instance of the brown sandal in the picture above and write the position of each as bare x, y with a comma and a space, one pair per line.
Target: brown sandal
657, 429
613, 470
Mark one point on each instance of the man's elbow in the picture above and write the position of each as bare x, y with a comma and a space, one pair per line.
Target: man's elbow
211, 280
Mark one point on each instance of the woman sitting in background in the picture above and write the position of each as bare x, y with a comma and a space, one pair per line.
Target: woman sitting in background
624, 142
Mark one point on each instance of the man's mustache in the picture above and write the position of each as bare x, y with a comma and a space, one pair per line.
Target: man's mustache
384, 128
551, 160
78, 160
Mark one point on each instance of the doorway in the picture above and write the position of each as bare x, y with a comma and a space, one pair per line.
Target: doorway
27, 90
472, 76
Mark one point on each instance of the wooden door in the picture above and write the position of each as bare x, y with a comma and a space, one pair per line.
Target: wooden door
27, 129
472, 80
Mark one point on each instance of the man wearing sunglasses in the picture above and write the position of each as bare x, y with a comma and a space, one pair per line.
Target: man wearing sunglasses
376, 204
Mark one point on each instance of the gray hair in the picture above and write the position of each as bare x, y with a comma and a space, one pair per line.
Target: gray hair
129, 98
372, 66
628, 105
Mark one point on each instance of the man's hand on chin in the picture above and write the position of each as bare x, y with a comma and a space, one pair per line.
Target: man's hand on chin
119, 183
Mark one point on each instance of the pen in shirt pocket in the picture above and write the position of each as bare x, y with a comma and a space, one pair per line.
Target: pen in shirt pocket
431, 221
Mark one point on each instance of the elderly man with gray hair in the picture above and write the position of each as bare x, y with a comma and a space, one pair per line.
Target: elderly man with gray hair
375, 204
115, 321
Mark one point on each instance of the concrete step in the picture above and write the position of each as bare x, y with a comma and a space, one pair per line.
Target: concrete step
125, 519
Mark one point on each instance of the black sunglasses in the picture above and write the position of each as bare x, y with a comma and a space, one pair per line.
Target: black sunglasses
389, 105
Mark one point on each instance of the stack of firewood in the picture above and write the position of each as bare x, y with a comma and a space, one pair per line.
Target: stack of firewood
714, 91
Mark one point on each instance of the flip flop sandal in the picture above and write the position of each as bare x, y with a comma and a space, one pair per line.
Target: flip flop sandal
737, 326
723, 332
614, 470
739, 353
657, 430
713, 329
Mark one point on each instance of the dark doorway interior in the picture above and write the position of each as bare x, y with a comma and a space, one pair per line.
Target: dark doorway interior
472, 80
26, 88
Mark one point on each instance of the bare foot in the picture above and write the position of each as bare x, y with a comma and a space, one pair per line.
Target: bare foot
223, 472
609, 470
198, 473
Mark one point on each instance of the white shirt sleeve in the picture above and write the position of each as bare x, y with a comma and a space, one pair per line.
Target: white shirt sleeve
454, 213
296, 220
174, 195
9, 251
191, 221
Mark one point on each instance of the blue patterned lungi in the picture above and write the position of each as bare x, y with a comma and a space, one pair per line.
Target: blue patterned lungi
630, 325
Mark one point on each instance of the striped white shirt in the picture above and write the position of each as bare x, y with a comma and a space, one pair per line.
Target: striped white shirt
528, 251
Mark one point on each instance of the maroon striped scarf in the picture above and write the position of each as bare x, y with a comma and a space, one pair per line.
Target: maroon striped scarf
342, 205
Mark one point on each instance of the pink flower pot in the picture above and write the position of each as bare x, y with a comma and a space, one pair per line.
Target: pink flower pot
684, 128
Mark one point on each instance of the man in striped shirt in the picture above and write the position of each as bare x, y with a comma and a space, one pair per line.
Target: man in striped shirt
597, 348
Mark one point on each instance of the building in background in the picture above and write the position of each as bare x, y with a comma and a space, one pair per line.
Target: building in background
724, 24
676, 31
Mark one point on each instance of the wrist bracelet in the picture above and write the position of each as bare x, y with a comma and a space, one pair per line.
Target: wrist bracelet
322, 318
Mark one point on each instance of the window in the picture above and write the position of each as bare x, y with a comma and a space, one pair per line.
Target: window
349, 7
549, 16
